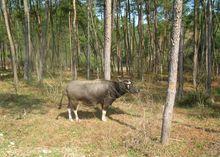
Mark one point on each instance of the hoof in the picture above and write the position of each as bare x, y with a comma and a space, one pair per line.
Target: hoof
104, 119
71, 120
78, 120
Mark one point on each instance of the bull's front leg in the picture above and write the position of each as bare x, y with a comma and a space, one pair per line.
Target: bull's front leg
105, 105
104, 115
70, 114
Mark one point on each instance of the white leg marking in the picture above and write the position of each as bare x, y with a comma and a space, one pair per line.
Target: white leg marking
104, 116
76, 115
69, 113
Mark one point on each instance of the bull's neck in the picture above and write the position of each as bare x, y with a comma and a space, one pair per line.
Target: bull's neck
119, 91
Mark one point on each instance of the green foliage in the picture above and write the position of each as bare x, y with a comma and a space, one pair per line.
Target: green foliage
194, 99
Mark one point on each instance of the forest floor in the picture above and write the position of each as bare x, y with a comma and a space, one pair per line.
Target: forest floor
28, 124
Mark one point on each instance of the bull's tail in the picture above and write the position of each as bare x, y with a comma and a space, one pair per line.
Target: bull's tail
60, 104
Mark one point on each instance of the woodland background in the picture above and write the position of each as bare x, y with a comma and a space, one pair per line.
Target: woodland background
46, 43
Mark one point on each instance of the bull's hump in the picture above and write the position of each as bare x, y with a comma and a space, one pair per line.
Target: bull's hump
90, 82
89, 85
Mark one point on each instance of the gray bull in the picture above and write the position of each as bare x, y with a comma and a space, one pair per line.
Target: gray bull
95, 92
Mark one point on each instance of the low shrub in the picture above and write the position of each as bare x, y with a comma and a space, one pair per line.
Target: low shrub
195, 99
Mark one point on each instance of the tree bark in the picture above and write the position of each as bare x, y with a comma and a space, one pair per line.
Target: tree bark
27, 62
70, 36
195, 59
12, 46
180, 72
156, 48
118, 36
171, 91
107, 41
141, 44
209, 47
88, 40
74, 45
43, 42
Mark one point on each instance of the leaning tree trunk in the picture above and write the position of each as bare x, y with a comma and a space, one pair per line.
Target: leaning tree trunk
171, 91
12, 46
107, 41
27, 62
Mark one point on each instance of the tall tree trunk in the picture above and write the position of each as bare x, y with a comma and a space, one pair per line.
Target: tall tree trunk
129, 36
88, 40
150, 42
118, 45
180, 68
156, 48
27, 62
43, 42
97, 46
74, 45
209, 47
125, 41
12, 46
195, 59
107, 41
140, 46
70, 37
171, 91
54, 50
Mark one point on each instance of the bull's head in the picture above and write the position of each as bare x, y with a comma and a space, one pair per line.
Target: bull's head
129, 87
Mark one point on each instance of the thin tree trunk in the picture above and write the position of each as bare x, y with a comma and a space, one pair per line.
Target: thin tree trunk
12, 46
151, 47
27, 62
74, 46
97, 47
70, 37
88, 40
209, 47
107, 41
140, 46
180, 72
125, 41
156, 48
195, 59
119, 58
54, 50
43, 43
171, 91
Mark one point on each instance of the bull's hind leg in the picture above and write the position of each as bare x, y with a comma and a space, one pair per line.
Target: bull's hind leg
75, 107
69, 109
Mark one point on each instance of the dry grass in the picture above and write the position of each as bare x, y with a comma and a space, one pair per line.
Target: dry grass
29, 126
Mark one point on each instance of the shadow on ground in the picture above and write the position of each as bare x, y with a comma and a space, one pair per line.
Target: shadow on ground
97, 114
16, 103
210, 130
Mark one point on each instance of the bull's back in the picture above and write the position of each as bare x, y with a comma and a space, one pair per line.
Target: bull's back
89, 91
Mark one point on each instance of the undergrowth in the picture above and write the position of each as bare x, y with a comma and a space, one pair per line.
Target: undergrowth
195, 99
